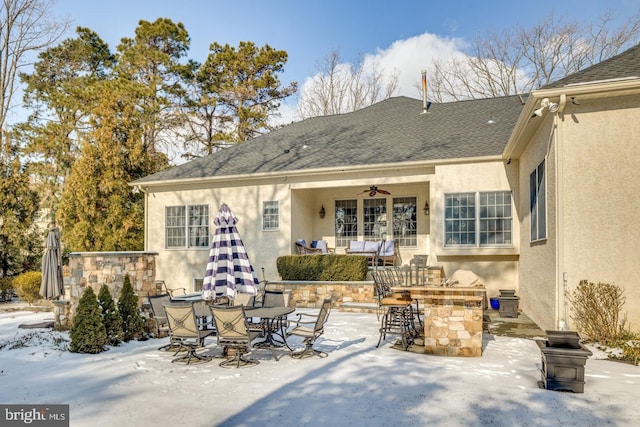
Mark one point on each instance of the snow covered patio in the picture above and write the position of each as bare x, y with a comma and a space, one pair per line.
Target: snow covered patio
358, 384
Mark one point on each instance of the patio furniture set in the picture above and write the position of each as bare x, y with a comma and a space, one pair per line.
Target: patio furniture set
239, 327
380, 253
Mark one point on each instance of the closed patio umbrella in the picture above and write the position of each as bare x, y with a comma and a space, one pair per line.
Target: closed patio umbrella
228, 270
52, 286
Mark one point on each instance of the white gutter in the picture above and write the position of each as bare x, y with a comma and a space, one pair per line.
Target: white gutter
559, 170
315, 172
137, 189
581, 91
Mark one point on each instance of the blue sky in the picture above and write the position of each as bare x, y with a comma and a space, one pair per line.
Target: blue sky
403, 34
310, 29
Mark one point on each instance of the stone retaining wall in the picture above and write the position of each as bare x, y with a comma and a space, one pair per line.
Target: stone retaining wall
311, 294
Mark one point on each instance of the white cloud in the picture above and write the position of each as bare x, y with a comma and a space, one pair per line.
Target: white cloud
409, 57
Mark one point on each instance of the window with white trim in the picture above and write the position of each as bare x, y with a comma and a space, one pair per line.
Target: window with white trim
538, 203
346, 225
405, 222
187, 226
270, 216
375, 218
482, 219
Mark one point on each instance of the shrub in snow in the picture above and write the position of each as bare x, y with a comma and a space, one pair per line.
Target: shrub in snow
110, 316
88, 334
132, 321
27, 286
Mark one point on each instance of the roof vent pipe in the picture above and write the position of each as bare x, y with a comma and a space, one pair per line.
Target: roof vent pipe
425, 104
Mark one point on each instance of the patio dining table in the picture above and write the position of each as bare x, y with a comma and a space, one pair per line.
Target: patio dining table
275, 330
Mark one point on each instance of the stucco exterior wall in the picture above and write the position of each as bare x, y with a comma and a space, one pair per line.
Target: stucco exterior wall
601, 167
498, 267
593, 173
538, 268
178, 267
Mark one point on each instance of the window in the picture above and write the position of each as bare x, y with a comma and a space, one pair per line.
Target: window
375, 218
459, 219
405, 223
175, 223
346, 221
270, 215
187, 226
495, 218
376, 222
478, 219
538, 203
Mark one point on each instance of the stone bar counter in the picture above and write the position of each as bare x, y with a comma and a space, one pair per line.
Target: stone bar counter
452, 319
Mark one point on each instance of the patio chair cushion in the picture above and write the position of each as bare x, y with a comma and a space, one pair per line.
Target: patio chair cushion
322, 245
364, 246
370, 246
356, 246
388, 249
396, 299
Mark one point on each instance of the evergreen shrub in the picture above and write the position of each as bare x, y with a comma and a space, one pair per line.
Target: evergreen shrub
132, 321
110, 316
27, 286
88, 334
329, 267
6, 288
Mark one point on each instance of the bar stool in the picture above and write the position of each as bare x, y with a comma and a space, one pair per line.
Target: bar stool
394, 276
396, 312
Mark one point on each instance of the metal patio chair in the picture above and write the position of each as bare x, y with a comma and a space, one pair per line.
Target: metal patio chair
234, 335
185, 332
310, 333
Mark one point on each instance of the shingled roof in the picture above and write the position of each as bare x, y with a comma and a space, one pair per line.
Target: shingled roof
623, 65
390, 131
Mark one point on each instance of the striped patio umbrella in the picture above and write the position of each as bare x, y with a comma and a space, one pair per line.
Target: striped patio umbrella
228, 270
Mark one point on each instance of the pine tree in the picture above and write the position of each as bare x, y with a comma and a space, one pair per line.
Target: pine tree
132, 321
88, 334
110, 317
20, 242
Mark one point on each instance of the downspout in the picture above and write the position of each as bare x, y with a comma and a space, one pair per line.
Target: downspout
561, 275
136, 189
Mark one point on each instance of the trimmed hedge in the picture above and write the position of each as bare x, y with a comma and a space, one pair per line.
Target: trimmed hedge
329, 267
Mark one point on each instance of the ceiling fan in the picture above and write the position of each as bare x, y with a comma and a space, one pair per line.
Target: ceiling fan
373, 190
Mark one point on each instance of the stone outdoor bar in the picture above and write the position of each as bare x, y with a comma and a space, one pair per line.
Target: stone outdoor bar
452, 319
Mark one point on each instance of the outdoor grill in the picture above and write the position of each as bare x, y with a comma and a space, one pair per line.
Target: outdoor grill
508, 303
563, 361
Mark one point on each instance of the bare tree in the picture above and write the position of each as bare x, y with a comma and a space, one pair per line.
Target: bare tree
25, 29
518, 61
339, 87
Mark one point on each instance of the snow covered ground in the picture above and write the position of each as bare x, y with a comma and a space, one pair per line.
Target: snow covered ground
358, 384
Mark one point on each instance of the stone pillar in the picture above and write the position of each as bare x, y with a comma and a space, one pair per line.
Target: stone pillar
109, 268
62, 315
